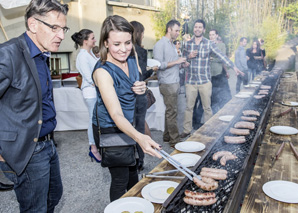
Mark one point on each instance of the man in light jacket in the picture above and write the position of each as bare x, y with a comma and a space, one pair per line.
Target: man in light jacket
241, 63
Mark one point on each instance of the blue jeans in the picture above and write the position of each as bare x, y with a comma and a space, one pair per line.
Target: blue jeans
39, 188
90, 104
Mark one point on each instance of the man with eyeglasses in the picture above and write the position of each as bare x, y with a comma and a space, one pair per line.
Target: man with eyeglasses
28, 155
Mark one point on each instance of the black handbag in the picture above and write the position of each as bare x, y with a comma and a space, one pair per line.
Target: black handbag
115, 147
150, 98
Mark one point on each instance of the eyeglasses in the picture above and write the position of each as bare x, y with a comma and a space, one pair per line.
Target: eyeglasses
55, 28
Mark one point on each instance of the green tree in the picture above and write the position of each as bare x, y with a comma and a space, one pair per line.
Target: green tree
161, 18
291, 14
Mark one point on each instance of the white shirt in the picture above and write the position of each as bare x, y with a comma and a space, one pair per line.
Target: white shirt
85, 64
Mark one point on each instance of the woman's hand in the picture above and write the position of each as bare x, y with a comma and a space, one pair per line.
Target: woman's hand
148, 145
139, 87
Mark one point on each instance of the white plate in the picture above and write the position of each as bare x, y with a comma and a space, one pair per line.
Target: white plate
284, 191
226, 118
152, 63
290, 103
190, 146
252, 85
130, 204
156, 192
242, 96
187, 159
256, 82
284, 130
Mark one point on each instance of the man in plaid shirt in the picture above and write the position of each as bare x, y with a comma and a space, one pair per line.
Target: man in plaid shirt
198, 78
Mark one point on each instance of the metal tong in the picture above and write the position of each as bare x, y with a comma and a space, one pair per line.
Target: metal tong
187, 172
278, 153
162, 175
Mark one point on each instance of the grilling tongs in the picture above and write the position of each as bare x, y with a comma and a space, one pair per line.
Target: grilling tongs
187, 172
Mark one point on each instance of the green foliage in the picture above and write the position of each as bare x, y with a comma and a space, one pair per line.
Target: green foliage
160, 19
273, 36
291, 13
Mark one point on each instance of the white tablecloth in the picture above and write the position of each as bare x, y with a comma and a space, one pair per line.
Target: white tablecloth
155, 116
72, 112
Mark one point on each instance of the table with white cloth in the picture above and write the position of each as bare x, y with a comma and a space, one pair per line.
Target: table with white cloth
71, 109
155, 116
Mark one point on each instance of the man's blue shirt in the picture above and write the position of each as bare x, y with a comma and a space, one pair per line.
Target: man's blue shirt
48, 108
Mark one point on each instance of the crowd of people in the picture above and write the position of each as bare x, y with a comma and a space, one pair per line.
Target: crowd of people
115, 92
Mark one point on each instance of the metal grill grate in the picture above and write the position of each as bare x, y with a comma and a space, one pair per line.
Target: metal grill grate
234, 167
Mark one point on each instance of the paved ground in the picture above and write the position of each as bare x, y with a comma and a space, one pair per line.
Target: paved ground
86, 184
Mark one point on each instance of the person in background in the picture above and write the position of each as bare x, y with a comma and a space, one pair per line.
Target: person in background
261, 41
221, 93
197, 51
116, 78
28, 156
165, 52
241, 63
95, 51
178, 47
255, 59
85, 63
141, 100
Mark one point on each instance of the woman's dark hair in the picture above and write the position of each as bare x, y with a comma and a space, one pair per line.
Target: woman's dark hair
80, 37
113, 23
258, 45
42, 7
138, 30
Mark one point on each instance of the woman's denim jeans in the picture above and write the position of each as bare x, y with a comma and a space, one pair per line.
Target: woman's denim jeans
90, 104
39, 188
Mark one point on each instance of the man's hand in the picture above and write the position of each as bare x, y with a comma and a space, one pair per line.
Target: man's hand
185, 64
181, 60
238, 72
193, 54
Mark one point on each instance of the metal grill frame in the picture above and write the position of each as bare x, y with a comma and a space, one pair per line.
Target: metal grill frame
239, 184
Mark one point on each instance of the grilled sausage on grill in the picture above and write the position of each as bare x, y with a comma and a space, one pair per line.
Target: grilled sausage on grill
214, 170
220, 154
199, 202
251, 112
239, 131
244, 124
226, 158
205, 186
259, 96
200, 195
246, 118
234, 139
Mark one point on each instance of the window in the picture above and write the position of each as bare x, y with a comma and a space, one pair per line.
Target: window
59, 63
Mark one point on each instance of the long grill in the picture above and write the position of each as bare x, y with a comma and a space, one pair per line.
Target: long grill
236, 168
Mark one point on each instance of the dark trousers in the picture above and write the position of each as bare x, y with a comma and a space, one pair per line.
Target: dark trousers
221, 93
123, 179
241, 79
140, 114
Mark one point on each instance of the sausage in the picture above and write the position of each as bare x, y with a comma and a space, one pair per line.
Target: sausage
200, 202
220, 154
246, 118
234, 139
216, 176
205, 186
265, 87
251, 112
239, 131
259, 96
244, 124
226, 158
200, 195
214, 170
207, 179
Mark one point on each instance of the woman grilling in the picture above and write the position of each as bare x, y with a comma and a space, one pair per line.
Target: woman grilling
116, 78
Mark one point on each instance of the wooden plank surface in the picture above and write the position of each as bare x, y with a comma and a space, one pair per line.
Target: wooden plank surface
207, 134
286, 167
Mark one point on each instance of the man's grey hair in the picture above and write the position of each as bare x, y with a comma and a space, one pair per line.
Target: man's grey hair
42, 7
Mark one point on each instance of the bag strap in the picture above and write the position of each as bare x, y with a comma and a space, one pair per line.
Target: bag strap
97, 121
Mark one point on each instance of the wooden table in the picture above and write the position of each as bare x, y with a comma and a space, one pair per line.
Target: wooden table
207, 134
286, 167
